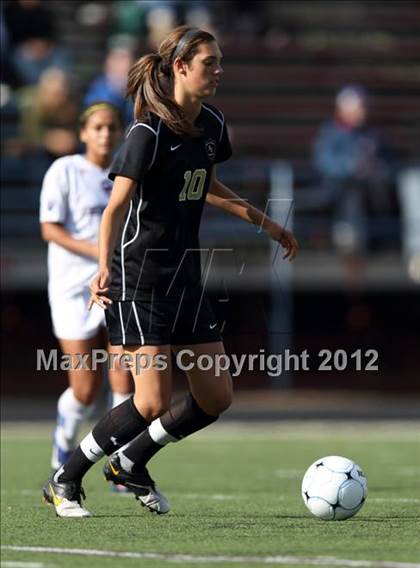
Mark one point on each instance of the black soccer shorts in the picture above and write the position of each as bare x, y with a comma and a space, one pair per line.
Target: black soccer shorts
162, 322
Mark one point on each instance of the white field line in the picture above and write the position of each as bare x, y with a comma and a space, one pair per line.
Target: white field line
219, 496
408, 470
23, 564
191, 558
214, 497
288, 473
394, 499
206, 496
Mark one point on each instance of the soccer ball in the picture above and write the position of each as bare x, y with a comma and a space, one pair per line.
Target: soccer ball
334, 488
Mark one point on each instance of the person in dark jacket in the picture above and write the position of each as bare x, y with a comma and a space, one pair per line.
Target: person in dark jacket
356, 169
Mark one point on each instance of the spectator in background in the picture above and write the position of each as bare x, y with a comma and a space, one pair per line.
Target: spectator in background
154, 19
145, 19
129, 18
356, 170
48, 118
250, 18
50, 113
110, 86
31, 35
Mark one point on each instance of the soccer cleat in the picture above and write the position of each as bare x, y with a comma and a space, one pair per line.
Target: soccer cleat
66, 496
117, 488
141, 484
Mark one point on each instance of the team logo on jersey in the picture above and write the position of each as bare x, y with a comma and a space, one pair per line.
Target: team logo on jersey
211, 148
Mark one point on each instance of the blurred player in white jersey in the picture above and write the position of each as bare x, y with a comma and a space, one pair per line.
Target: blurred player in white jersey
75, 191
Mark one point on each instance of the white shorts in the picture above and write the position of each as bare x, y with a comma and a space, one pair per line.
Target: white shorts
72, 319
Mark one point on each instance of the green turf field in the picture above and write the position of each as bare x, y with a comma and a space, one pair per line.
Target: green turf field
235, 493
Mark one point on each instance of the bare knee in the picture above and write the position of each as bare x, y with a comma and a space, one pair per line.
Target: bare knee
218, 404
85, 385
85, 394
151, 409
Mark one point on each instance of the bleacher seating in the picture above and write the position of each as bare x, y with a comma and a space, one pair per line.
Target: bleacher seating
274, 98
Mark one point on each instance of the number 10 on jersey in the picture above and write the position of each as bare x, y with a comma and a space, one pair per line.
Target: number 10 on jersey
193, 185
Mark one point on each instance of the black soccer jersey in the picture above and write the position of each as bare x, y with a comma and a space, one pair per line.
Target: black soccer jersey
157, 248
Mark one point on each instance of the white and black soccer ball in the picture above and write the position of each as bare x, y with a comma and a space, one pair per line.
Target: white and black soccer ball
334, 488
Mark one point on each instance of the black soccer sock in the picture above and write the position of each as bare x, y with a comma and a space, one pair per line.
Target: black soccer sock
120, 425
183, 418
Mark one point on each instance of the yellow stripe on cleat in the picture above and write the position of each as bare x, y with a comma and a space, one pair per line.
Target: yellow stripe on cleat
114, 471
56, 500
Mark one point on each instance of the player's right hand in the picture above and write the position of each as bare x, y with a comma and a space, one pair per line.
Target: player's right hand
99, 286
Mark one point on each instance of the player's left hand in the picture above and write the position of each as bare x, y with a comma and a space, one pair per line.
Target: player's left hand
285, 238
99, 286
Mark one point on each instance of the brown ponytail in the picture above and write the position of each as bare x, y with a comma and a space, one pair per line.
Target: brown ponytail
150, 79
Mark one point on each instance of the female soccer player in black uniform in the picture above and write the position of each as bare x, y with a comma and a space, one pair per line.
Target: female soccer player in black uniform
149, 276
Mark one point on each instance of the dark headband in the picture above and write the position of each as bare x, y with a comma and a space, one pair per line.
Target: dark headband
183, 41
